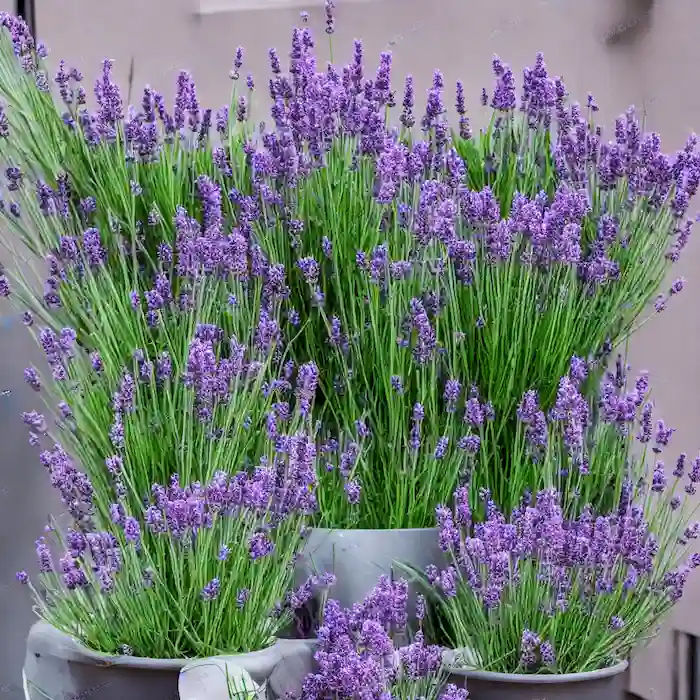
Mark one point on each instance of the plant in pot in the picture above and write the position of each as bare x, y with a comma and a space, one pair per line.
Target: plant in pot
417, 269
197, 442
419, 272
549, 600
366, 652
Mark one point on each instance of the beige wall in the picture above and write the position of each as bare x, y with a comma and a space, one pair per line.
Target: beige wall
656, 70
668, 58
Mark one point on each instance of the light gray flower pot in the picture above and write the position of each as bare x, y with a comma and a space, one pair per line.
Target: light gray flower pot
208, 679
58, 667
604, 684
359, 557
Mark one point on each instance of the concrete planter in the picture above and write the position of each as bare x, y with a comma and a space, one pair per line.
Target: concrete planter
58, 667
604, 684
359, 557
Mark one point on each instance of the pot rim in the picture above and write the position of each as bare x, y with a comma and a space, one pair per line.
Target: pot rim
99, 658
542, 678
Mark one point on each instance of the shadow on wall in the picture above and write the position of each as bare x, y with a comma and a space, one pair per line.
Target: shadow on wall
636, 21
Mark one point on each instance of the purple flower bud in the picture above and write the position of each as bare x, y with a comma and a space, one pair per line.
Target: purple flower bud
31, 376
132, 530
353, 491
677, 286
679, 471
260, 545
441, 448
211, 590
453, 389
242, 598
117, 514
420, 607
547, 654
616, 623
330, 18
43, 555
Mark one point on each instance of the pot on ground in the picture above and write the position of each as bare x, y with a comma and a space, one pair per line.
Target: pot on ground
359, 557
604, 684
59, 667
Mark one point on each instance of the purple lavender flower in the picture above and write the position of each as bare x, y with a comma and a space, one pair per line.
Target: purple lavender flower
407, 118
353, 491
453, 389
330, 17
616, 623
547, 654
306, 386
132, 530
420, 607
31, 376
452, 692
441, 448
242, 598
43, 555
529, 644
260, 545
211, 590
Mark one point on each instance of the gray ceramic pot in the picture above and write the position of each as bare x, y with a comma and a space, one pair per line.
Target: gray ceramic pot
58, 667
359, 557
605, 684
277, 671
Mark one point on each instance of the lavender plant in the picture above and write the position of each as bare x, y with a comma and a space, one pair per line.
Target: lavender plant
491, 270
168, 570
569, 590
359, 655
199, 570
133, 164
196, 435
432, 280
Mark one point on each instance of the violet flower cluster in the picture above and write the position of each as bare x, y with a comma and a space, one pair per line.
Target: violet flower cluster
586, 445
149, 386
441, 224
233, 539
558, 565
413, 311
359, 658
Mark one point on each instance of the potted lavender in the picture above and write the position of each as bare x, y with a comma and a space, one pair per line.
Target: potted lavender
478, 268
430, 280
197, 446
570, 588
363, 652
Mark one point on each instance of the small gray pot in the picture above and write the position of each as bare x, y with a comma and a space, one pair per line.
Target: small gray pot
604, 684
58, 667
359, 557
277, 670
